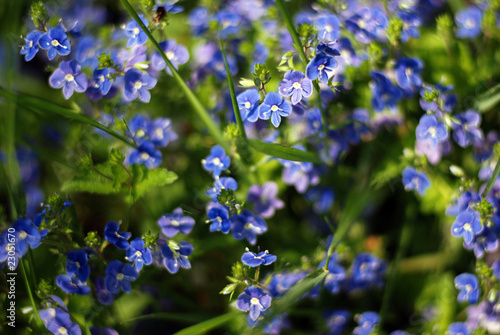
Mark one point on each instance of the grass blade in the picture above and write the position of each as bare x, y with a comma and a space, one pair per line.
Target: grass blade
284, 152
205, 326
492, 179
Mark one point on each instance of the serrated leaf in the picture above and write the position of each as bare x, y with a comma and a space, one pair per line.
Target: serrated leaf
152, 178
284, 152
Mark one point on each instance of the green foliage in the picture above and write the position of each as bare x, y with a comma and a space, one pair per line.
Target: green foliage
261, 75
105, 61
394, 30
284, 152
39, 15
92, 240
150, 240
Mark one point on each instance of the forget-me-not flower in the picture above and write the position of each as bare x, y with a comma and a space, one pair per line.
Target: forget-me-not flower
255, 300
468, 284
468, 225
174, 223
262, 258
135, 33
69, 77
413, 180
295, 85
138, 254
216, 161
118, 276
55, 41
31, 47
274, 107
176, 256
138, 84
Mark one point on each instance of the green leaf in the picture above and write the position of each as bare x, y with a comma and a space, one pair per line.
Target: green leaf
284, 152
152, 178
298, 290
205, 326
488, 100
31, 102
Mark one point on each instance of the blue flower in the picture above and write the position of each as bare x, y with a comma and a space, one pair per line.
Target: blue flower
160, 132
71, 284
220, 219
295, 85
69, 77
30, 49
169, 7
458, 328
198, 19
139, 127
176, 255
223, 183
321, 197
145, 154
229, 22
411, 23
77, 264
274, 107
367, 270
103, 295
446, 100
58, 322
138, 254
469, 22
367, 24
118, 276
466, 132
262, 258
384, 93
321, 67
216, 161
358, 129
101, 81
247, 225
486, 241
25, 235
137, 84
432, 130
335, 277
174, 223
468, 285
468, 225
113, 234
248, 102
255, 300
336, 321
135, 33
463, 202
328, 27
282, 282
177, 55
408, 74
265, 199
366, 323
413, 180
55, 42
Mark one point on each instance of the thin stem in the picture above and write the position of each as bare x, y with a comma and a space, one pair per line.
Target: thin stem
101, 174
492, 179
30, 294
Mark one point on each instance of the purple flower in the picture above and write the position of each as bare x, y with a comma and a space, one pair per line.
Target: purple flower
486, 241
262, 258
223, 183
176, 255
468, 285
466, 132
296, 85
411, 23
247, 225
367, 24
255, 300
216, 161
367, 270
384, 93
118, 276
145, 154
336, 321
274, 107
220, 219
468, 225
366, 323
265, 199
55, 42
160, 132
248, 102
321, 197
30, 49
137, 84
69, 77
413, 180
77, 264
113, 234
469, 22
177, 54
58, 321
138, 254
321, 67
458, 328
432, 130
139, 127
174, 223
135, 33
328, 27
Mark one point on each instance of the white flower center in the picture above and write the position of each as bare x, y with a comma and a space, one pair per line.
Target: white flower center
120, 276
159, 133
248, 105
22, 235
329, 28
321, 67
55, 43
140, 133
254, 301
62, 330
138, 253
138, 85
274, 108
219, 219
135, 31
69, 77
216, 161
467, 227
174, 223
296, 85
170, 55
144, 156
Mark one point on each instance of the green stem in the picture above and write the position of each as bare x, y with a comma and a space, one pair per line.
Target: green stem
193, 100
492, 179
30, 102
30, 294
236, 109
339, 233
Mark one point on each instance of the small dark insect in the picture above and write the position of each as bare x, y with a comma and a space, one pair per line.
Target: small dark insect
160, 14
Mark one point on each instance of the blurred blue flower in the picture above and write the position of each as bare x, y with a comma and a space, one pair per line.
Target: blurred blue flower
255, 300
467, 131
411, 25
431, 129
336, 321
135, 33
368, 24
265, 199
486, 241
77, 264
160, 132
177, 54
413, 180
220, 219
384, 93
69, 77
248, 102
366, 323
71, 284
223, 183
469, 22
321, 67
328, 27
174, 223
408, 74
103, 295
145, 154
458, 328
322, 198
198, 19
58, 321
367, 270
118, 277
248, 225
